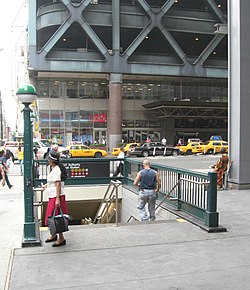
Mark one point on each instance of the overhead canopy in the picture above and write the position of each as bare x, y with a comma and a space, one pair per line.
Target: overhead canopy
187, 109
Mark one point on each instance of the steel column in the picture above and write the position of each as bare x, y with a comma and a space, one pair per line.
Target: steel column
239, 92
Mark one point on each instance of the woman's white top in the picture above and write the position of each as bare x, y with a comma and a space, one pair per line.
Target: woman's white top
54, 175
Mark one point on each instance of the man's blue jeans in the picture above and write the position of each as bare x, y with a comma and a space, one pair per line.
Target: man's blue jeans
147, 196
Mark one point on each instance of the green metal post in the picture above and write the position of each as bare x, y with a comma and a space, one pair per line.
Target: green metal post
211, 214
179, 192
26, 95
29, 224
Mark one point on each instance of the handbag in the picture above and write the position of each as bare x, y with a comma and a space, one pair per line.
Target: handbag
58, 223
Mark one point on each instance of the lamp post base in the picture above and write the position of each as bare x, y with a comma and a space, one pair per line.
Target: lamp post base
31, 237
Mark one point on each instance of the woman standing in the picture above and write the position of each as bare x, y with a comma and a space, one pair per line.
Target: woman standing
55, 190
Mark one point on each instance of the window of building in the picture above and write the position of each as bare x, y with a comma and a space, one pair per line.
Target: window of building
100, 119
54, 88
86, 119
44, 118
72, 89
42, 88
57, 118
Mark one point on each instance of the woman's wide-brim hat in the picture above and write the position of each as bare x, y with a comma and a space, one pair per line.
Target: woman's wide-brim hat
53, 156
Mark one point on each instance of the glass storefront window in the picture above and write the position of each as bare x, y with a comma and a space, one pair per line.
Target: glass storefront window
72, 118
128, 123
45, 133
86, 119
141, 123
85, 90
103, 91
44, 118
100, 119
72, 89
154, 124
57, 118
153, 92
54, 88
86, 134
166, 91
57, 135
75, 134
42, 88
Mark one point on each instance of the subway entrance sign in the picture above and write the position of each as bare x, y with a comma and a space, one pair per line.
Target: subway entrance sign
87, 169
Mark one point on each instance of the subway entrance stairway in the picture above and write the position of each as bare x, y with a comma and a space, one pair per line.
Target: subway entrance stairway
156, 255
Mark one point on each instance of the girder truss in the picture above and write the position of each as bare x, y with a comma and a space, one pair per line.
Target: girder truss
161, 110
76, 12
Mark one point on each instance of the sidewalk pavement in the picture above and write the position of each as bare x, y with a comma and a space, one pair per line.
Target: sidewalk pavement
159, 255
11, 225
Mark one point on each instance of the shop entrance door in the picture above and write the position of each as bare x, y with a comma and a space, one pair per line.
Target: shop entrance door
100, 137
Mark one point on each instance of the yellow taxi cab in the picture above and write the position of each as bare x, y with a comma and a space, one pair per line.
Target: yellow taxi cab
212, 147
191, 148
116, 150
85, 151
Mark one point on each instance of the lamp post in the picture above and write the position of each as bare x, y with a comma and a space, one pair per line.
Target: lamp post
27, 94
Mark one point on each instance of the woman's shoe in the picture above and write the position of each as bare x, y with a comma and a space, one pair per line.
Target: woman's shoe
51, 240
63, 243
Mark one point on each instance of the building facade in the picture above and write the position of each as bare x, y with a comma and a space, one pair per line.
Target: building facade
107, 70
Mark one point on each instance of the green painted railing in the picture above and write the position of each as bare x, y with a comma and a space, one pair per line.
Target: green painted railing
182, 191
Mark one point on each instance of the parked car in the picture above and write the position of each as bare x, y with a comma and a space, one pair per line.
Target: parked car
152, 149
85, 151
211, 147
117, 150
43, 149
191, 148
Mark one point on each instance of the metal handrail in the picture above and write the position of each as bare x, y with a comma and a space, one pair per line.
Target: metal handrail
108, 199
132, 216
168, 194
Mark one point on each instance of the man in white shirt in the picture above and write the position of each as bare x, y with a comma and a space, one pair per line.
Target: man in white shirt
120, 164
164, 141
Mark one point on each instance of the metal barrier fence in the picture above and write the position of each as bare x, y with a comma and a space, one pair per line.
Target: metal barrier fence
182, 190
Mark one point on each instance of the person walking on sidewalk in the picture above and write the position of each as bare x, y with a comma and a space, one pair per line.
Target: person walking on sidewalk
55, 190
20, 158
3, 161
120, 164
2, 175
149, 184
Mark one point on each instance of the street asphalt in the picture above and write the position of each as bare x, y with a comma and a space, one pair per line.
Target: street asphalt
160, 255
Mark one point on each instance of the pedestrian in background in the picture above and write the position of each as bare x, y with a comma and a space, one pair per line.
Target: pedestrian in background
120, 164
56, 194
164, 141
20, 158
221, 167
149, 184
2, 175
3, 162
